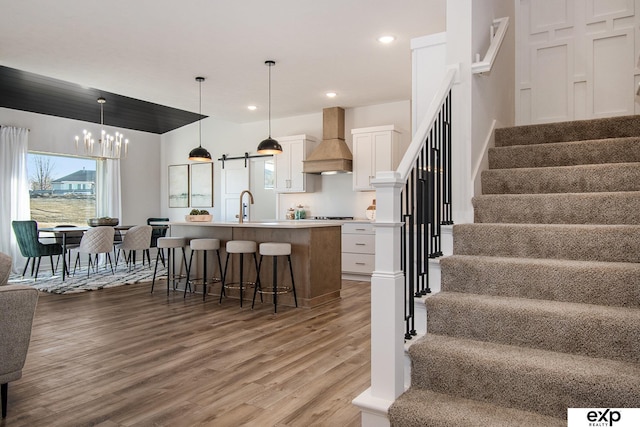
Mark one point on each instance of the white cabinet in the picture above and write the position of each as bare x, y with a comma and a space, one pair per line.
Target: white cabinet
358, 248
288, 165
375, 149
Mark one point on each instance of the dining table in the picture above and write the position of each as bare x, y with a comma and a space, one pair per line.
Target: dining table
64, 231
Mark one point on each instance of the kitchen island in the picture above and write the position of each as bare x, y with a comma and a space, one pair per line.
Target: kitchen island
315, 255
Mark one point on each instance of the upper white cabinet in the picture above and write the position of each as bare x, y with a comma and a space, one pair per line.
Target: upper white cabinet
375, 149
288, 165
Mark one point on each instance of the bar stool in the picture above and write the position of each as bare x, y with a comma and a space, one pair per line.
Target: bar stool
275, 250
203, 245
171, 244
239, 247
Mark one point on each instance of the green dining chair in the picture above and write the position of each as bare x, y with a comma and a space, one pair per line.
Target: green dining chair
31, 248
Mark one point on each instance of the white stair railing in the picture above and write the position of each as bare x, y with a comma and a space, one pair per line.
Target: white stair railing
497, 36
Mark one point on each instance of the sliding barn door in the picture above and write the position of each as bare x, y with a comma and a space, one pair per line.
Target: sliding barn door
234, 177
576, 59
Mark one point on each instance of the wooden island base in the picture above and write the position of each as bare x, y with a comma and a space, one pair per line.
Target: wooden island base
315, 256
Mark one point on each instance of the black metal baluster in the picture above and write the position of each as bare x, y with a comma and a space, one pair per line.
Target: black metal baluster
448, 216
425, 205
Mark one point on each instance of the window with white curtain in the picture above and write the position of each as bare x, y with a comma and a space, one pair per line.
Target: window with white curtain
62, 189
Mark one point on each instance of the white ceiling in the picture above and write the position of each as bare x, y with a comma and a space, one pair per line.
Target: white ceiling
153, 50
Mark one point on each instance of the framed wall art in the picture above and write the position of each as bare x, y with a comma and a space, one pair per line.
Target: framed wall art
202, 185
178, 186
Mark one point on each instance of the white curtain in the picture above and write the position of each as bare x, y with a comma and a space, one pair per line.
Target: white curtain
108, 200
14, 187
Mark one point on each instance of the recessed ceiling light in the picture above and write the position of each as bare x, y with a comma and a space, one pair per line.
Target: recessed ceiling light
331, 94
386, 39
252, 107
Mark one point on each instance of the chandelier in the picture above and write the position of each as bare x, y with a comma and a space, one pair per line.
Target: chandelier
108, 146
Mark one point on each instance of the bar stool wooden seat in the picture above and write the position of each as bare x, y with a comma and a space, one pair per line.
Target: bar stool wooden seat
171, 244
203, 245
241, 247
275, 250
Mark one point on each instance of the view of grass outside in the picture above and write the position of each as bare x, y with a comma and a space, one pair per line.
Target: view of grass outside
59, 210
57, 194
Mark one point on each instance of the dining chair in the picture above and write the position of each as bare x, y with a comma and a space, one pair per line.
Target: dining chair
95, 241
31, 248
136, 238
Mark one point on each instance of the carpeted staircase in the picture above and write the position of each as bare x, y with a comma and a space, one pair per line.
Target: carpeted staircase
540, 302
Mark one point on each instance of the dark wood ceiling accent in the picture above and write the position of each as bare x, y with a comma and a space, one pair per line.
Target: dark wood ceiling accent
20, 90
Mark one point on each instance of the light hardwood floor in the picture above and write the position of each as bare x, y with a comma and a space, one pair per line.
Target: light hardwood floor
125, 357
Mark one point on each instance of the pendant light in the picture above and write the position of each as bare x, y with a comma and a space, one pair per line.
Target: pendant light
269, 145
200, 154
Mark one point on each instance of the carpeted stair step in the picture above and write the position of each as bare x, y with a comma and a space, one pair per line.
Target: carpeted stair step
611, 243
578, 130
611, 150
528, 379
559, 208
420, 408
563, 179
584, 329
588, 282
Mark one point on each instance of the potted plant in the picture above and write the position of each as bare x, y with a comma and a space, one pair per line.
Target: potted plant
198, 215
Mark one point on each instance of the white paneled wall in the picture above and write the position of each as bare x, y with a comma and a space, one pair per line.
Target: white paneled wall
577, 59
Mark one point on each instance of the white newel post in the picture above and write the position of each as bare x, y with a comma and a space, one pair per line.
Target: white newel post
387, 306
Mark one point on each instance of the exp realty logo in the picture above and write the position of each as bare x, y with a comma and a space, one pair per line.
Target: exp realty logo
603, 417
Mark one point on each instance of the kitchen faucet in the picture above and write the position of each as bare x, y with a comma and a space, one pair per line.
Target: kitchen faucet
241, 211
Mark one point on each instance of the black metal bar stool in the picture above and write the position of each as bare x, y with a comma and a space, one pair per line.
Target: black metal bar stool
171, 244
241, 247
275, 250
203, 245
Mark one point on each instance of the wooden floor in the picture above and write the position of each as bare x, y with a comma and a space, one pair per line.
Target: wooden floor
125, 357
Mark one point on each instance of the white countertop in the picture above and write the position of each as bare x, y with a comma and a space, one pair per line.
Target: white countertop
264, 224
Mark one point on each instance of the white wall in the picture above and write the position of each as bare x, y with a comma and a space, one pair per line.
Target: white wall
480, 102
216, 134
140, 170
493, 93
459, 34
429, 66
333, 195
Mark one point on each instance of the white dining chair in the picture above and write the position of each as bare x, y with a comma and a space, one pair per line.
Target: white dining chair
135, 239
96, 240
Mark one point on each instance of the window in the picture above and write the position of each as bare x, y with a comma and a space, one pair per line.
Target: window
62, 189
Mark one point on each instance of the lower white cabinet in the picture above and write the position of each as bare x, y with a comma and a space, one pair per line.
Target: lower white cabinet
358, 248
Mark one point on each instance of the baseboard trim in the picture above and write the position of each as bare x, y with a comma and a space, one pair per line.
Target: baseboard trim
374, 411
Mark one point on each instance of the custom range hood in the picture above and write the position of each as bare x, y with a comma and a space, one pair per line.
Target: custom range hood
332, 155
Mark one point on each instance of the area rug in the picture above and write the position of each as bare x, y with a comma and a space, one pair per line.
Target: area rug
79, 282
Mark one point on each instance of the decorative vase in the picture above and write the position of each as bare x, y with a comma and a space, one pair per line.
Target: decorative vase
300, 212
371, 211
291, 213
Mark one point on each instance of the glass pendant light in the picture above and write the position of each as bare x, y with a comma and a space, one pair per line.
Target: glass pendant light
269, 145
200, 154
